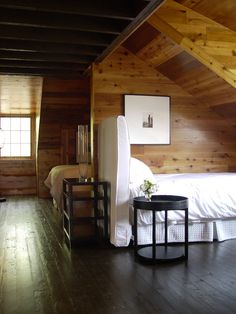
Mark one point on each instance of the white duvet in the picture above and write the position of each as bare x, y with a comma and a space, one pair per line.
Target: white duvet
211, 196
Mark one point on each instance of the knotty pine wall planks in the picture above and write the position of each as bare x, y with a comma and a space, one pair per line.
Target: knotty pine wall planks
65, 104
17, 177
201, 139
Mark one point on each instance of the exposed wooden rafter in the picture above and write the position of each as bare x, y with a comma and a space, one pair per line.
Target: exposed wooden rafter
209, 42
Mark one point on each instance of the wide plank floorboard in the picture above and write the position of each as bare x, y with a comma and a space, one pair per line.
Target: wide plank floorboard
39, 274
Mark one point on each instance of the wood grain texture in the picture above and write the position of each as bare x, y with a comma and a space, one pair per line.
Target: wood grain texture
40, 275
223, 12
20, 95
146, 32
201, 139
193, 32
203, 114
65, 104
17, 177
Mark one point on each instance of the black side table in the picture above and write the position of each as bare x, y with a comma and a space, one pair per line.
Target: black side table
99, 209
157, 253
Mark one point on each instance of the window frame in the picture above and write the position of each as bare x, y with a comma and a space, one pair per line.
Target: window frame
32, 136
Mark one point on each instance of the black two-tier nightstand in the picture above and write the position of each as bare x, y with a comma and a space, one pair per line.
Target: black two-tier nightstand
157, 253
85, 217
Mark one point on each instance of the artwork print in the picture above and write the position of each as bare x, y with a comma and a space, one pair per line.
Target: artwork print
148, 119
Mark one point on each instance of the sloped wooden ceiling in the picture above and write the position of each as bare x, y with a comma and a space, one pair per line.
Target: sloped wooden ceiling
208, 41
208, 73
223, 12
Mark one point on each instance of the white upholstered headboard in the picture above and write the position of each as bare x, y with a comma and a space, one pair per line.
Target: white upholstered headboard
113, 167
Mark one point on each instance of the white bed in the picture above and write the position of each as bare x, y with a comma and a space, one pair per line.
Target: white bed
212, 199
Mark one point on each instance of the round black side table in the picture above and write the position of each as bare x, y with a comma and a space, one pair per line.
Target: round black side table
154, 253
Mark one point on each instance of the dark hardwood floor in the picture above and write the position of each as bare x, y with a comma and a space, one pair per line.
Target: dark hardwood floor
40, 275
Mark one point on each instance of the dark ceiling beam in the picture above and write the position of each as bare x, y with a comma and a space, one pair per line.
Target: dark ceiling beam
41, 65
61, 21
40, 72
55, 36
35, 46
38, 56
59, 37
140, 18
120, 9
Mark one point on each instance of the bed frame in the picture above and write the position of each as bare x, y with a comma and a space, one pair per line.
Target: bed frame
114, 167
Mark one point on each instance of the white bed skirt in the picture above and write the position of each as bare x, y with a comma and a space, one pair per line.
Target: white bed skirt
198, 232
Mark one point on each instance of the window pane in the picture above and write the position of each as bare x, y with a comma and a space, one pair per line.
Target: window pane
6, 150
25, 136
15, 123
25, 123
25, 150
7, 137
15, 150
15, 137
6, 123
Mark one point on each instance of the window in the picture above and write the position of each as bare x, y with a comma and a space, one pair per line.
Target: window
17, 136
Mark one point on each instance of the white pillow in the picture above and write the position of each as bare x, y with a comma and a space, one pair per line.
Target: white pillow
139, 172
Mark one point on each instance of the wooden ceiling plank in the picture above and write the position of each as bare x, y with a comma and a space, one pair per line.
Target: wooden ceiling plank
218, 35
222, 12
166, 48
190, 3
165, 28
214, 49
215, 44
229, 61
146, 32
121, 9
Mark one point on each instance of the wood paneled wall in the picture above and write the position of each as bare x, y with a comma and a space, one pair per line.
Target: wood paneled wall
17, 177
65, 104
201, 139
20, 95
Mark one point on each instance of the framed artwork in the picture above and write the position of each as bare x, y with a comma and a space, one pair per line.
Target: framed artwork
148, 119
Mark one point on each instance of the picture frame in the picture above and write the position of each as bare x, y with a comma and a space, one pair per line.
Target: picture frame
148, 119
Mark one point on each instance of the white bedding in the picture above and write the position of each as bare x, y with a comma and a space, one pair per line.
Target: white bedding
210, 195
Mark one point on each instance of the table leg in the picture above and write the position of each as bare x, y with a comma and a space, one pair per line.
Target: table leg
153, 234
105, 210
135, 232
186, 233
166, 228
